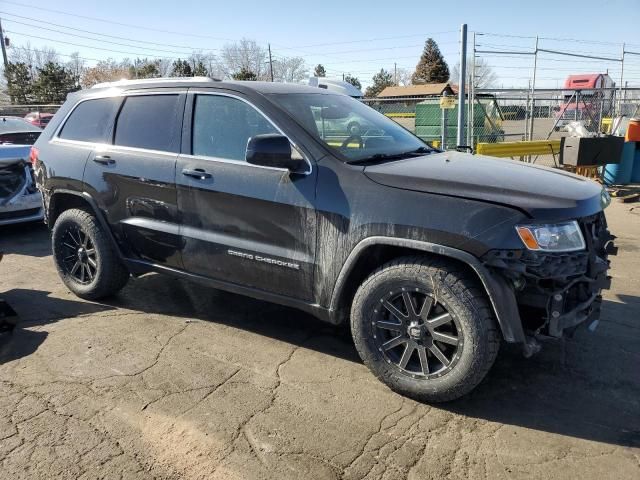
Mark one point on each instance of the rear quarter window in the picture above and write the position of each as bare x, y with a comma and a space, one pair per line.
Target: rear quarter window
149, 121
91, 120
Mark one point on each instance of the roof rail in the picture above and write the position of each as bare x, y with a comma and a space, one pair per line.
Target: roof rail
137, 81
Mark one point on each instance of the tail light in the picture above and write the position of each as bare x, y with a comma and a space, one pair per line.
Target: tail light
33, 155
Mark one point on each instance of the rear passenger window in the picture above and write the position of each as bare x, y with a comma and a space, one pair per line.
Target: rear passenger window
149, 121
91, 120
222, 126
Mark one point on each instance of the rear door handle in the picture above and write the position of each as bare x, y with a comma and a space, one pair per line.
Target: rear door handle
198, 173
104, 160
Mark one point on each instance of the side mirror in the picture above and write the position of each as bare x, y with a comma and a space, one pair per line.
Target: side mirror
273, 150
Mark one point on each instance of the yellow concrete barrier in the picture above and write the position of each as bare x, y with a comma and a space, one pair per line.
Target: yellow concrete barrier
519, 149
400, 115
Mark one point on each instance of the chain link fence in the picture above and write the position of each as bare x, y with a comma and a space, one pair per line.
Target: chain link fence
510, 115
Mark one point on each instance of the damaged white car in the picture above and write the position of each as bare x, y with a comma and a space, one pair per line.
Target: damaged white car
20, 200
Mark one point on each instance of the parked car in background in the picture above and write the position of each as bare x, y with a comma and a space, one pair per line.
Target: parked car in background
20, 201
38, 119
18, 131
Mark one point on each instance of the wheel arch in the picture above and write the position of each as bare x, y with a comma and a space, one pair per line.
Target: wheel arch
372, 252
63, 199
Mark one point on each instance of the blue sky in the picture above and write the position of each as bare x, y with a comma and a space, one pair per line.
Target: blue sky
351, 37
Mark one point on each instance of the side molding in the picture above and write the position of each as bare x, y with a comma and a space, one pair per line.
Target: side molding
499, 291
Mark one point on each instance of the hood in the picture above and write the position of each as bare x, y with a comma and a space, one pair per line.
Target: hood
541, 192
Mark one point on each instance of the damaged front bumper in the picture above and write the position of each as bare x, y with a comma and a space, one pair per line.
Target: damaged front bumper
20, 201
557, 292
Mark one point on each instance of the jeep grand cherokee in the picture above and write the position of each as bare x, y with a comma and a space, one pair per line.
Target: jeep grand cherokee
433, 257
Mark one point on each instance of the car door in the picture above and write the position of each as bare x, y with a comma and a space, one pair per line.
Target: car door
242, 224
133, 176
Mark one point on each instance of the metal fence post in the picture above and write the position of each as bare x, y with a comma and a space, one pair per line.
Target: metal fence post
443, 141
461, 83
533, 90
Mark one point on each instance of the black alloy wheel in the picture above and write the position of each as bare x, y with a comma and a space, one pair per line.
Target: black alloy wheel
416, 333
79, 255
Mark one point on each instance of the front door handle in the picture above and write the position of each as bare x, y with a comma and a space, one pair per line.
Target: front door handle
104, 160
198, 173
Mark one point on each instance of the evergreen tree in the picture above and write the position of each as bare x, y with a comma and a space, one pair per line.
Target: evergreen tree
53, 84
200, 70
181, 68
381, 80
320, 71
432, 67
145, 68
353, 81
244, 74
19, 83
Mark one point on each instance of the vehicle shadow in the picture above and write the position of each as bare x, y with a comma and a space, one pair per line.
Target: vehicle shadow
169, 296
30, 239
585, 387
34, 308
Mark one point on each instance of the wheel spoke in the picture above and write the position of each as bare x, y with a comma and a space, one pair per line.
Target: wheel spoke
92, 262
395, 312
444, 338
75, 267
85, 238
424, 362
396, 327
436, 322
426, 309
68, 258
90, 251
89, 273
69, 246
394, 342
409, 304
406, 356
82, 266
439, 355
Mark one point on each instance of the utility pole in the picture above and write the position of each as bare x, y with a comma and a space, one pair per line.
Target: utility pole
533, 90
395, 73
461, 84
270, 63
4, 48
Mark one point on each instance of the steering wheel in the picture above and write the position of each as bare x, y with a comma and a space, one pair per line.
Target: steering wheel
350, 138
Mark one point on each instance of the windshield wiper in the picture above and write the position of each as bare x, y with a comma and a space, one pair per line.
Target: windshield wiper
381, 157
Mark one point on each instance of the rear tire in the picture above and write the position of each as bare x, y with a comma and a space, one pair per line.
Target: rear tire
424, 327
84, 256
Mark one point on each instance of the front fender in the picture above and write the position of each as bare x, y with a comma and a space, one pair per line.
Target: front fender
499, 291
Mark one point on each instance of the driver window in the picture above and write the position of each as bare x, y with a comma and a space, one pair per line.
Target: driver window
223, 125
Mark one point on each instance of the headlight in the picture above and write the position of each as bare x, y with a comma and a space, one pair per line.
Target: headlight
560, 237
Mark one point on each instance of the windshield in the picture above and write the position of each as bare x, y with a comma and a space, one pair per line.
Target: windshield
349, 127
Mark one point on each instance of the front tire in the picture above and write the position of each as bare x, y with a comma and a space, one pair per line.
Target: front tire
424, 327
84, 257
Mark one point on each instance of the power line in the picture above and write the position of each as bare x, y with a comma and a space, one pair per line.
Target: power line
99, 39
96, 19
89, 31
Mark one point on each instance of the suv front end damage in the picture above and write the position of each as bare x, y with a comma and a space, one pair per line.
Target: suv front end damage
20, 200
558, 291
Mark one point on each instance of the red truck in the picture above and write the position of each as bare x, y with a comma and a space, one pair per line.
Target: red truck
585, 96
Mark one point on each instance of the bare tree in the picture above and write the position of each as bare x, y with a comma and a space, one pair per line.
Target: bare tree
403, 76
485, 76
245, 54
106, 71
34, 58
76, 65
290, 69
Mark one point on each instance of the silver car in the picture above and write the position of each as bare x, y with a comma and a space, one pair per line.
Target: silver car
20, 201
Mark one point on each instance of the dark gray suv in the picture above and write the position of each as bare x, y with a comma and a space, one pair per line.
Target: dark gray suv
434, 257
